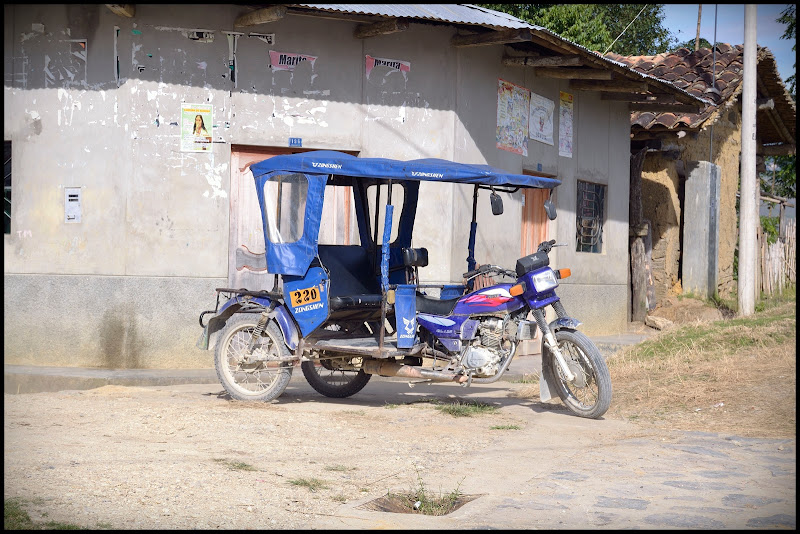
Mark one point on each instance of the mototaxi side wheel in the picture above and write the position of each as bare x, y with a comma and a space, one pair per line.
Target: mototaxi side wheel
259, 376
335, 378
589, 394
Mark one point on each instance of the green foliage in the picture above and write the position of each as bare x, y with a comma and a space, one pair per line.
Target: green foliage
788, 17
771, 227
597, 26
782, 181
690, 44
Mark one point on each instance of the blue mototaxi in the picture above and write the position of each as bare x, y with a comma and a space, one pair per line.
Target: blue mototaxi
347, 311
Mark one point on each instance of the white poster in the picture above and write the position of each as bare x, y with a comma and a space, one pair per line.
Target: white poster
540, 125
513, 104
196, 124
565, 125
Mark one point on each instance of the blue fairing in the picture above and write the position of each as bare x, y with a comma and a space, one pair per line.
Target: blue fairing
489, 300
289, 330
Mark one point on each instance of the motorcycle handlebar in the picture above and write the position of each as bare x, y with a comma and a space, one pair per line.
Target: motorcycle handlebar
546, 246
483, 269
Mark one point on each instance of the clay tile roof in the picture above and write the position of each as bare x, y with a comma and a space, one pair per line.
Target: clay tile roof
720, 68
667, 119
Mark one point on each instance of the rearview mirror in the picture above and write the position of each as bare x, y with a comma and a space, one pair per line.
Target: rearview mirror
497, 203
550, 209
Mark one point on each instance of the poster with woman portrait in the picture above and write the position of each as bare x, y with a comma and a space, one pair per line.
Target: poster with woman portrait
196, 123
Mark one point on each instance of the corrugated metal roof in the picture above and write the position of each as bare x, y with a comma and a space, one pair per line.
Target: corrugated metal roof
453, 13
479, 16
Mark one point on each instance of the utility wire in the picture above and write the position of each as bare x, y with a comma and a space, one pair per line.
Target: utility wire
623, 31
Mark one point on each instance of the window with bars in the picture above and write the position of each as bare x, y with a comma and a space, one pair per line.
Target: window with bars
590, 213
7, 187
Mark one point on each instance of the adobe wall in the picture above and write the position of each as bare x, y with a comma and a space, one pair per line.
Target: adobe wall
727, 147
661, 205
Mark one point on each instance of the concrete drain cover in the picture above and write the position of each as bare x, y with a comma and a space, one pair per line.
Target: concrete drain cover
404, 504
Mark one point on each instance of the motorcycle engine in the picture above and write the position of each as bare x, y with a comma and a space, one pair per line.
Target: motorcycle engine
482, 357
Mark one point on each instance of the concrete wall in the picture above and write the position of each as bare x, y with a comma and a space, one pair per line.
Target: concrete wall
123, 288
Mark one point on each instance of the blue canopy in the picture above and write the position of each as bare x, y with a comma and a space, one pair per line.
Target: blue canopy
430, 169
292, 254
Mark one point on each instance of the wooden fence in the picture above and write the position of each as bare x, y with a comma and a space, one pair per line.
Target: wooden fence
777, 266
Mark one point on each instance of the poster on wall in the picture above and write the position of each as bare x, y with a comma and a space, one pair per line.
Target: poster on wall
513, 103
565, 125
288, 61
196, 121
394, 65
540, 124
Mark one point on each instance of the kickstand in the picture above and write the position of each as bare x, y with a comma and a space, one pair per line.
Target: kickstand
412, 384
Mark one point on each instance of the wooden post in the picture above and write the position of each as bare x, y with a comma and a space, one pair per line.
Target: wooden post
638, 259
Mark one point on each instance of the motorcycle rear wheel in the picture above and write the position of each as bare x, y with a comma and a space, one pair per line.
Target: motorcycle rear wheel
260, 376
589, 395
329, 379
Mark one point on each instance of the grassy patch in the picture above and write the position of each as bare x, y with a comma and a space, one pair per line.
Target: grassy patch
339, 467
15, 517
466, 409
312, 484
504, 427
233, 465
421, 500
732, 375
531, 378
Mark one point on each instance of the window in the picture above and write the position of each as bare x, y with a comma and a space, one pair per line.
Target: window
7, 187
590, 213
285, 207
377, 194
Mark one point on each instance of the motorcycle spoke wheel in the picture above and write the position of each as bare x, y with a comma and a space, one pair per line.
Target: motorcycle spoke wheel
336, 378
260, 375
589, 393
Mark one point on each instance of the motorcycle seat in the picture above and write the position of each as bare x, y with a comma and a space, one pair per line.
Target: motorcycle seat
434, 306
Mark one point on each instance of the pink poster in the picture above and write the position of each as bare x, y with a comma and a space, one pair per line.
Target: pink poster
393, 64
287, 61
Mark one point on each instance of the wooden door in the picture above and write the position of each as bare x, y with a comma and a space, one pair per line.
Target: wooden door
534, 231
534, 220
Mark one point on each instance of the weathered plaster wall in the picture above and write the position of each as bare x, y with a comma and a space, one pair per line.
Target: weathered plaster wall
725, 152
153, 240
661, 205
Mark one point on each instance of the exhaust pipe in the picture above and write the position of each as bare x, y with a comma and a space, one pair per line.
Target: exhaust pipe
385, 368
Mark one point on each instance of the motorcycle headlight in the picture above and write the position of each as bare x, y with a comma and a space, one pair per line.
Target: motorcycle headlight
545, 281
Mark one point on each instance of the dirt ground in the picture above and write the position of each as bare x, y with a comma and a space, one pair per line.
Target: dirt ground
187, 457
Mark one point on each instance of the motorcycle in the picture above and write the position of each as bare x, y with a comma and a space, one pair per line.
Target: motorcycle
348, 312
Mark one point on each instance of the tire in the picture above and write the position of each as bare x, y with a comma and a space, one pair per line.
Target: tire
261, 379
589, 395
329, 379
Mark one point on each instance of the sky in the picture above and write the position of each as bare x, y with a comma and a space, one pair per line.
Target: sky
681, 20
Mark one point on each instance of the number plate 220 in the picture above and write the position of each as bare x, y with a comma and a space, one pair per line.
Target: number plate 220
304, 296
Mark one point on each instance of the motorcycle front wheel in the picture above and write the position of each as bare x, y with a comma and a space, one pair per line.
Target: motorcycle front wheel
260, 375
336, 378
589, 394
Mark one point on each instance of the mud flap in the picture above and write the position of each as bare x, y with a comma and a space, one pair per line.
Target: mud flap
405, 307
545, 387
